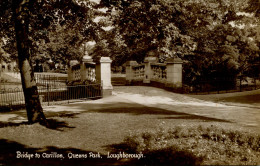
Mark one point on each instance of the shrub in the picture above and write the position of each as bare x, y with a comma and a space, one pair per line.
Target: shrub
195, 145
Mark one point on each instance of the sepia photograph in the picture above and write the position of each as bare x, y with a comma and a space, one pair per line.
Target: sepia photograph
129, 82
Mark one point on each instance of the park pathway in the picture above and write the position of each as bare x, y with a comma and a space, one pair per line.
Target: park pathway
155, 98
245, 114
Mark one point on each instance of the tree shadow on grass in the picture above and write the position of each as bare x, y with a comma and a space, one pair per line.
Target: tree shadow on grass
14, 153
198, 117
166, 156
61, 114
50, 124
56, 125
12, 124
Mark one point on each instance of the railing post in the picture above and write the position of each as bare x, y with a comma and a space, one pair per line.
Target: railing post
147, 69
240, 83
130, 72
83, 69
103, 75
48, 95
71, 72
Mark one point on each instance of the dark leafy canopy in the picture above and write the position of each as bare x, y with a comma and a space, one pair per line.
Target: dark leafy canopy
112, 45
57, 28
201, 32
254, 7
169, 26
7, 27
148, 25
198, 31
37, 24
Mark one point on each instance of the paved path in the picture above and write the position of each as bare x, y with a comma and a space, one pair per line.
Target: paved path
154, 98
244, 114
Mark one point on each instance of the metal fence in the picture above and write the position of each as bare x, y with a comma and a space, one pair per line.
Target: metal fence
222, 86
44, 79
205, 87
11, 98
51, 94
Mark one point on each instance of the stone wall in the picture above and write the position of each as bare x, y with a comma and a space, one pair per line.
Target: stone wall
168, 74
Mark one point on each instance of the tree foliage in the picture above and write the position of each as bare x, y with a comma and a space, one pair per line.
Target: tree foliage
214, 38
30, 28
58, 29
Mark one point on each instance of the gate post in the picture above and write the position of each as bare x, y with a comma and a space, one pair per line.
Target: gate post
174, 72
103, 75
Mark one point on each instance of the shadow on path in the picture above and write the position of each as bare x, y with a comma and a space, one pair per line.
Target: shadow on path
137, 109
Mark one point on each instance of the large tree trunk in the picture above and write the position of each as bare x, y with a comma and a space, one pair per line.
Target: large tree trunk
21, 9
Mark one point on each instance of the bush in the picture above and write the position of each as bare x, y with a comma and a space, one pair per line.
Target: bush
195, 145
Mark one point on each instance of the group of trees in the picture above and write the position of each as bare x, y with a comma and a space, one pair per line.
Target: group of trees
57, 29
215, 38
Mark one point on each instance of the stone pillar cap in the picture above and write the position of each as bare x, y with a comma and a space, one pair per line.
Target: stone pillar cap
174, 60
87, 58
131, 63
73, 62
150, 59
105, 59
152, 53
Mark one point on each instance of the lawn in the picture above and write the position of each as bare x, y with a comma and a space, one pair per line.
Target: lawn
195, 146
5, 78
247, 97
118, 124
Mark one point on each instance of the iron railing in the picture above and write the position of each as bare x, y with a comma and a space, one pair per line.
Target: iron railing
54, 94
11, 98
51, 94
223, 85
44, 79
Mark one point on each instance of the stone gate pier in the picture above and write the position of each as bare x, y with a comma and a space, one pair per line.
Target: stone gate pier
89, 72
